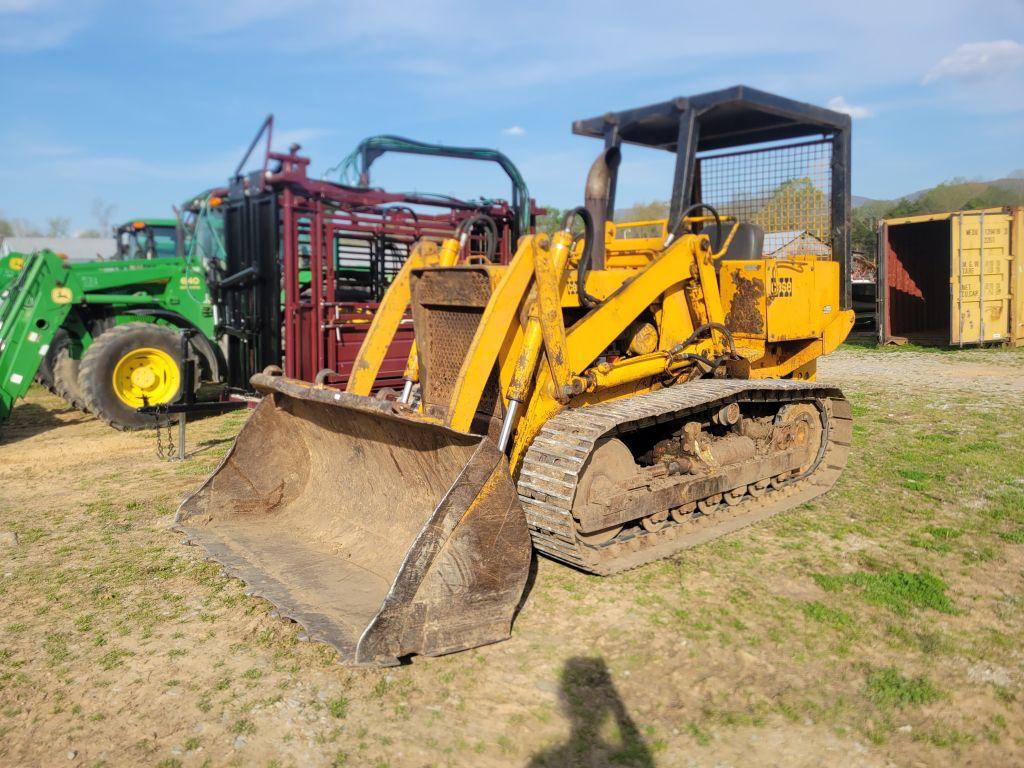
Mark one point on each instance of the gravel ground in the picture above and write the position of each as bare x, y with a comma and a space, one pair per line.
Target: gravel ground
999, 372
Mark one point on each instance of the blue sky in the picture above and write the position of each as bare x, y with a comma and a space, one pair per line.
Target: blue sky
141, 104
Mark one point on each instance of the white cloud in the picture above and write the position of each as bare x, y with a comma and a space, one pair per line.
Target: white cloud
515, 130
38, 25
475, 57
839, 104
20, 6
284, 139
759, 53
977, 60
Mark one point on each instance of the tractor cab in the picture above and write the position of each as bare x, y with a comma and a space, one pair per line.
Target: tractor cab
202, 228
147, 239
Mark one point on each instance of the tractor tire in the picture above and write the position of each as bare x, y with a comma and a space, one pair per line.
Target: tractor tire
65, 372
129, 366
44, 375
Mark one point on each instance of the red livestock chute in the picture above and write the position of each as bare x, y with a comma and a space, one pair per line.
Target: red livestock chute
308, 260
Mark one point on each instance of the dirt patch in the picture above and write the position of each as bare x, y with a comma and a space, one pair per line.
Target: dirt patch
881, 624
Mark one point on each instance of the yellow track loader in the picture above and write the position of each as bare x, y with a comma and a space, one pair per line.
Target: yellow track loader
608, 398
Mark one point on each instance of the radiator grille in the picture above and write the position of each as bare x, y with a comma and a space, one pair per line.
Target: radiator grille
449, 334
450, 304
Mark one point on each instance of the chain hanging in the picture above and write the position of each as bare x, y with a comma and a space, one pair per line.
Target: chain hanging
164, 451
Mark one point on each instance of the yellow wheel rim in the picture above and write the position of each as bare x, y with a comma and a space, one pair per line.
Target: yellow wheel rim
146, 376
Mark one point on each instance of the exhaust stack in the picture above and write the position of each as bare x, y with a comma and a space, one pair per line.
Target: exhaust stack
597, 196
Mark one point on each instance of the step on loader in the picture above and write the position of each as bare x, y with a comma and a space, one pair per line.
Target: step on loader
608, 397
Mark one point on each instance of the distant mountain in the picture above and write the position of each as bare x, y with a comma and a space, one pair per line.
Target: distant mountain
960, 193
953, 195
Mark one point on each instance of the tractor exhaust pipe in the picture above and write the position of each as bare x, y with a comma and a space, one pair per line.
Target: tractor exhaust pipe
596, 197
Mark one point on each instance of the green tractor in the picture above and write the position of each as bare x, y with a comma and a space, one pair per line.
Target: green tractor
105, 335
136, 239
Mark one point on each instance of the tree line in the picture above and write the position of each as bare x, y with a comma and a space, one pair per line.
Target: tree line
60, 226
772, 210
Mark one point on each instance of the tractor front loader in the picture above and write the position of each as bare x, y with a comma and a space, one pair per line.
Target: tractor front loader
606, 400
109, 328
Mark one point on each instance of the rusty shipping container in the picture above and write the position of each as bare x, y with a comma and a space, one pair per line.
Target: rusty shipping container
952, 279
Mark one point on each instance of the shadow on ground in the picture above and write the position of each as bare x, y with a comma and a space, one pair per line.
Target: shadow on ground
28, 420
602, 732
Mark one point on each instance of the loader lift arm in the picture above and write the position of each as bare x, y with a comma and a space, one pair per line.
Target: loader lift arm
40, 301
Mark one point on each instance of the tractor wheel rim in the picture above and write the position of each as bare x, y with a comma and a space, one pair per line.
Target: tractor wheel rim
145, 376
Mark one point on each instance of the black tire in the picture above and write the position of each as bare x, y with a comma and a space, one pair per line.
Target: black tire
97, 372
65, 372
44, 375
64, 368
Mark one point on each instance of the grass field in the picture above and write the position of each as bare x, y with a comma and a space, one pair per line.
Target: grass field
881, 624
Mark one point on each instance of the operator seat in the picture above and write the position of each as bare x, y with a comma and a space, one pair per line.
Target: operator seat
746, 245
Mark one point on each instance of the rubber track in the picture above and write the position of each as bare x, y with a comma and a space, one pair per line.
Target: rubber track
554, 462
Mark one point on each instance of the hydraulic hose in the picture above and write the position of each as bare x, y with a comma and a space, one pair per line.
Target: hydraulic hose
703, 330
678, 229
353, 170
405, 208
491, 232
588, 249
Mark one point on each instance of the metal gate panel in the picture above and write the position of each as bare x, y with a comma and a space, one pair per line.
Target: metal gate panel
248, 296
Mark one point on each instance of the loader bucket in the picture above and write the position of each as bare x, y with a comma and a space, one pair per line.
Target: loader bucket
381, 533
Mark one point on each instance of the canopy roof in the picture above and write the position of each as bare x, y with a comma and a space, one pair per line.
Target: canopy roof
731, 117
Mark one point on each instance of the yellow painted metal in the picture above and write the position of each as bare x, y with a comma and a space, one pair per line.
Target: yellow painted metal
449, 254
673, 318
709, 282
448, 257
497, 322
980, 276
386, 321
630, 369
587, 339
793, 320
596, 332
777, 300
1017, 278
985, 260
526, 361
549, 268
146, 376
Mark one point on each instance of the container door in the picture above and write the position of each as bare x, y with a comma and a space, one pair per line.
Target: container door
1017, 279
980, 277
882, 284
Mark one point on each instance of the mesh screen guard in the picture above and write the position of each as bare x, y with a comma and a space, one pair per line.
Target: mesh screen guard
783, 189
